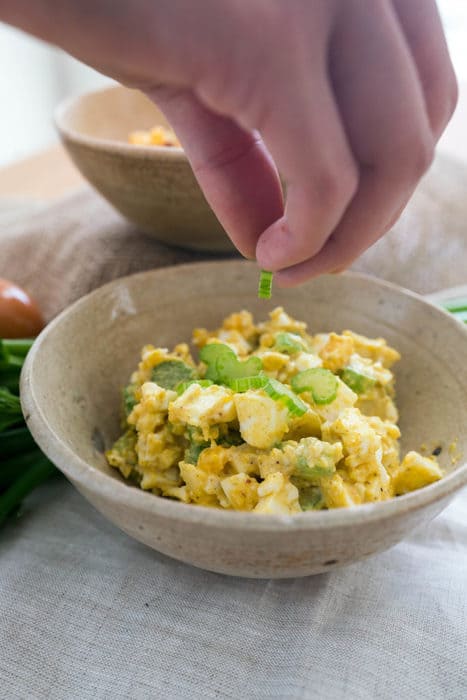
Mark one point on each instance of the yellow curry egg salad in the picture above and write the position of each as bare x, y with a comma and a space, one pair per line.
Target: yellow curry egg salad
270, 420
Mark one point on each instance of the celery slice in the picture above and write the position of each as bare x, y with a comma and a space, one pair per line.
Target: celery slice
242, 384
280, 392
265, 284
223, 365
320, 382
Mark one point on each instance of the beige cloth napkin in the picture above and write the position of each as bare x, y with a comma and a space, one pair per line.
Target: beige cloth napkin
86, 613
81, 242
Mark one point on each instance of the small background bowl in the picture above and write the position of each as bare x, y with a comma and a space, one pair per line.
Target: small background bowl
73, 376
152, 186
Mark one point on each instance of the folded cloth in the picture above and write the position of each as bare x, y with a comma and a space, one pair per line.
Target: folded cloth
79, 243
88, 613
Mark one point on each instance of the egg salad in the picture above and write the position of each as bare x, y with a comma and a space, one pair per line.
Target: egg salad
270, 419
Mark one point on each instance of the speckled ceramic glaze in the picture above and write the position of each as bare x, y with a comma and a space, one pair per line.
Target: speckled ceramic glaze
152, 186
73, 375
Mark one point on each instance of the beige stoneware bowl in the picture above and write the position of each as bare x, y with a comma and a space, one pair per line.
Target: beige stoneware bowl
152, 186
74, 373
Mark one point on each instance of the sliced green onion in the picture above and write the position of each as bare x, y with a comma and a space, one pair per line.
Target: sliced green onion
280, 392
265, 284
358, 382
245, 383
170, 373
320, 382
183, 386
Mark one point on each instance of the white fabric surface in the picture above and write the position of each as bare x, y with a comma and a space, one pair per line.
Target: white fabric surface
86, 612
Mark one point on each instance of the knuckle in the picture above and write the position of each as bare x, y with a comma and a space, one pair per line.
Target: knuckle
409, 160
334, 186
442, 95
423, 152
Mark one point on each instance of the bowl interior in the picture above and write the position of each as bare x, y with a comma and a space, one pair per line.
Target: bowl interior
110, 114
86, 355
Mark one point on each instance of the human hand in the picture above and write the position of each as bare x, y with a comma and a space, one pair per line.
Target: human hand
346, 98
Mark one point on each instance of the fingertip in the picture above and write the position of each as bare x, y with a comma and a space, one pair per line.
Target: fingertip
273, 246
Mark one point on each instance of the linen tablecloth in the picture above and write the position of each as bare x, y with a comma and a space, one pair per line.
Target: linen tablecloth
86, 612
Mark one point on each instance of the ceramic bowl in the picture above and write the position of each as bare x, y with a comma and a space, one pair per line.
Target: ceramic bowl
73, 376
152, 186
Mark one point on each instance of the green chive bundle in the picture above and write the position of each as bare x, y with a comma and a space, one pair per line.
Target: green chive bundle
22, 464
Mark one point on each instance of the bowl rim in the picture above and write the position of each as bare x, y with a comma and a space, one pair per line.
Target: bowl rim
112, 488
131, 150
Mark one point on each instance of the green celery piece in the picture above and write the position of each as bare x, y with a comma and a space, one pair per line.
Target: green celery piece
320, 382
242, 384
311, 473
183, 386
169, 373
228, 368
286, 343
310, 498
280, 392
10, 409
265, 284
210, 354
223, 364
358, 382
